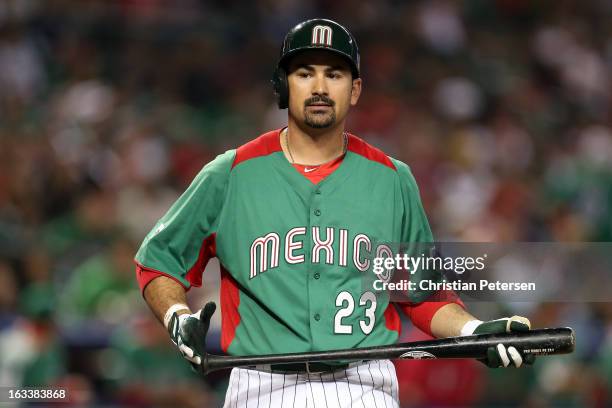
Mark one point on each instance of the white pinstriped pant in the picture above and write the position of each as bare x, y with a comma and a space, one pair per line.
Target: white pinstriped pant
369, 384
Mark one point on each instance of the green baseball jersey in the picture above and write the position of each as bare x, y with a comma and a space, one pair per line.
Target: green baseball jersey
292, 253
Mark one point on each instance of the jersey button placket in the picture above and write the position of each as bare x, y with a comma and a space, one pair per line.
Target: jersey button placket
315, 272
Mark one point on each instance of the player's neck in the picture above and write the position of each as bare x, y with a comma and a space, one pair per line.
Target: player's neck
312, 148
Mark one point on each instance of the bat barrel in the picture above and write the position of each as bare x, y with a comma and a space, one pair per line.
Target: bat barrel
538, 342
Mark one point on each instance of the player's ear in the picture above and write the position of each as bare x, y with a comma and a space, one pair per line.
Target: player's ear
355, 91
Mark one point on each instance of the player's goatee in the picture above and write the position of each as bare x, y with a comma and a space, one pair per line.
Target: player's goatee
318, 120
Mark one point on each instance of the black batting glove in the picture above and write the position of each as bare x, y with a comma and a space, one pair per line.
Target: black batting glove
501, 355
188, 333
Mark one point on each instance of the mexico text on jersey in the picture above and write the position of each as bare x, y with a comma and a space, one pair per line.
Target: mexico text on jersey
291, 252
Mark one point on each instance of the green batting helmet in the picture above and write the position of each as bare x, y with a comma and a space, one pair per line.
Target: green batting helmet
315, 34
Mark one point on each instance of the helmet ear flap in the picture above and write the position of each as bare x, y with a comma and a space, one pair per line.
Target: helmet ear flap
281, 88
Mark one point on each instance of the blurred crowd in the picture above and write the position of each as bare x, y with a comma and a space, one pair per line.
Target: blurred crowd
502, 109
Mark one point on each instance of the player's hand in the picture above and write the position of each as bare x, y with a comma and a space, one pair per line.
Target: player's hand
502, 356
188, 333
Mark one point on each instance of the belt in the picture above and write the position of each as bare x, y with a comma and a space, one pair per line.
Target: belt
310, 368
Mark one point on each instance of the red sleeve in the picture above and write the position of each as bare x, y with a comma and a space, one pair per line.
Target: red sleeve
422, 313
145, 275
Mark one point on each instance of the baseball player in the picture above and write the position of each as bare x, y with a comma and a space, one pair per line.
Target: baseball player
291, 216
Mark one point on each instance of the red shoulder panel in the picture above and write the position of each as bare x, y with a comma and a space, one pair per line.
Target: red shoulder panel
261, 146
358, 146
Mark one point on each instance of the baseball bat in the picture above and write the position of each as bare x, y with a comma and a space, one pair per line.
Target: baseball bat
538, 342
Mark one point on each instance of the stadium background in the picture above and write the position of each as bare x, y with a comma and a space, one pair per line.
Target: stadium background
503, 110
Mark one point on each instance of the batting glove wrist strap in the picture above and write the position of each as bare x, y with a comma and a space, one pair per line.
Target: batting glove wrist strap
469, 327
177, 307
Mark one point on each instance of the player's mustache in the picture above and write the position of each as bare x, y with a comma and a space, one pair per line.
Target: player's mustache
319, 99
